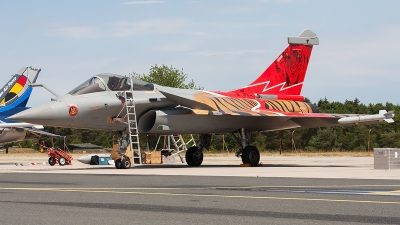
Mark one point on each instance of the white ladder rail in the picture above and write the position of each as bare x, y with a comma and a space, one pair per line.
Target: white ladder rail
132, 126
178, 147
179, 144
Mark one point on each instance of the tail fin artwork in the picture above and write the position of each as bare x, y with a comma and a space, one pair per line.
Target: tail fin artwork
284, 78
16, 91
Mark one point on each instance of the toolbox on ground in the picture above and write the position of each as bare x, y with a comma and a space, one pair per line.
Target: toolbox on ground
104, 160
156, 157
168, 159
146, 158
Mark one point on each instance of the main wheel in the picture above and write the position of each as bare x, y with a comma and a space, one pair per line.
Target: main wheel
125, 163
118, 163
61, 161
250, 155
194, 156
52, 161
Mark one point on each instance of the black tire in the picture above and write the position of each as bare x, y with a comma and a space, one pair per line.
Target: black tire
62, 161
251, 155
52, 161
94, 160
125, 163
194, 156
118, 163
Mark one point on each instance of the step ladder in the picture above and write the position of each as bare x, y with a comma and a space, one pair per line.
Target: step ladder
132, 127
179, 144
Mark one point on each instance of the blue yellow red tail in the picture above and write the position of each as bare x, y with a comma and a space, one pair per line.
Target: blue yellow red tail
16, 91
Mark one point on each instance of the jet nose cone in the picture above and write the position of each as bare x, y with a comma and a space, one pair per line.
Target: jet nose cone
85, 159
42, 114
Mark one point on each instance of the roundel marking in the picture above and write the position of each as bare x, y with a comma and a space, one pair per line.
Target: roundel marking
73, 110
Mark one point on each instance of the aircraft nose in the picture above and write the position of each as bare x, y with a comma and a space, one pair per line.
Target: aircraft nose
41, 114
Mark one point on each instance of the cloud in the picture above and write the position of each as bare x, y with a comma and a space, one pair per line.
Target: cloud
142, 2
174, 47
361, 66
121, 29
237, 52
284, 1
201, 33
79, 32
241, 24
239, 9
373, 54
126, 28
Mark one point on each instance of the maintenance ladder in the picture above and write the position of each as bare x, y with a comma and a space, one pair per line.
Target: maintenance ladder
179, 144
132, 126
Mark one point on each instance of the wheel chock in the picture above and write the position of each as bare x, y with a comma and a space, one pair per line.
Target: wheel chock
248, 165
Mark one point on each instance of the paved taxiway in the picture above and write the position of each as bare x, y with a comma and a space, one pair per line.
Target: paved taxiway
220, 192
273, 166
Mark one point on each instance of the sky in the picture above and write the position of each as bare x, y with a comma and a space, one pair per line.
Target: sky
221, 45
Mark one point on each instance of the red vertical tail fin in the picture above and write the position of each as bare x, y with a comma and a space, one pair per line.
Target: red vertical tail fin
285, 76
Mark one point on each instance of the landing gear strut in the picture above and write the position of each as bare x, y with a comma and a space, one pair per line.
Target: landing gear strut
124, 162
249, 154
194, 154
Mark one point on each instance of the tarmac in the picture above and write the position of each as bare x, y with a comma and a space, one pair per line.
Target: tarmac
284, 190
272, 166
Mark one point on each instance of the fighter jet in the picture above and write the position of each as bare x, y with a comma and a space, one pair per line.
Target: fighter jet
13, 99
271, 102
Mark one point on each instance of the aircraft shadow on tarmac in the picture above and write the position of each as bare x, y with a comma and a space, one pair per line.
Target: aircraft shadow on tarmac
184, 166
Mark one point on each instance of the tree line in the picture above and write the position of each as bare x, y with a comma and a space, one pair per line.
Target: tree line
343, 138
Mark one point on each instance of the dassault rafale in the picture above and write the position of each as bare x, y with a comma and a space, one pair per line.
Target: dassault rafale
271, 102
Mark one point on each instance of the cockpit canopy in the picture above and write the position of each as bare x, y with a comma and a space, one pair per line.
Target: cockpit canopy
111, 82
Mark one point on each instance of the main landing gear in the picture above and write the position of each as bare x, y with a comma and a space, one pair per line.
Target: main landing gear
249, 154
194, 154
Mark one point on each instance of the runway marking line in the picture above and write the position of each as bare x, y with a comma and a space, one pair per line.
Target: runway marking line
102, 190
316, 186
390, 193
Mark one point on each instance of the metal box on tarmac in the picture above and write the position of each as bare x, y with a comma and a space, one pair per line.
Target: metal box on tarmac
386, 158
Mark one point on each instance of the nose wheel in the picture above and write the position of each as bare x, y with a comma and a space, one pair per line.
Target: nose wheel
125, 163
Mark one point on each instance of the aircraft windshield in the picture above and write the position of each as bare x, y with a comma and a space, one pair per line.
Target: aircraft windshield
111, 82
94, 84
